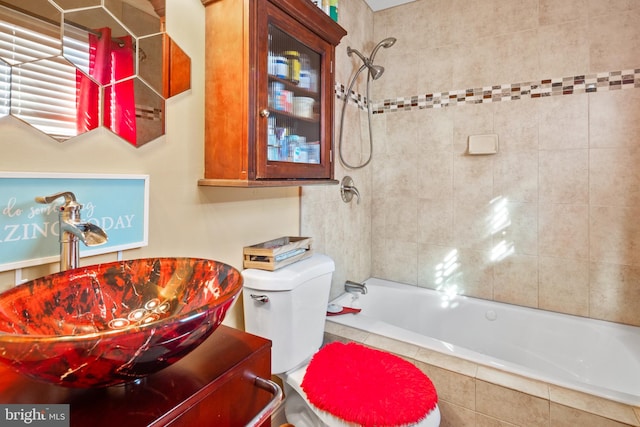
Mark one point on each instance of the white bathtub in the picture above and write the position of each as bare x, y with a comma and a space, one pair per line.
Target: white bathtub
596, 357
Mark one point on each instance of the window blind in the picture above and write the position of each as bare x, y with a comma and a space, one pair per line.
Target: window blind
42, 83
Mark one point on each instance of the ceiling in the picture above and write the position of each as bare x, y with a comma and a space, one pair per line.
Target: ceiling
377, 5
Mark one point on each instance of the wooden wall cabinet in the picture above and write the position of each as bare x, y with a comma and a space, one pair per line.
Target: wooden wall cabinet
269, 93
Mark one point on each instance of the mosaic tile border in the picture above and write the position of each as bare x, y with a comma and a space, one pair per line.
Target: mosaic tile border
356, 98
585, 83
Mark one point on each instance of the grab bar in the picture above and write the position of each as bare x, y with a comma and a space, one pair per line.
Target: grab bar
273, 404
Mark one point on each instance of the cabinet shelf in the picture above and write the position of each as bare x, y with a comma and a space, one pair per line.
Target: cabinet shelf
314, 119
297, 90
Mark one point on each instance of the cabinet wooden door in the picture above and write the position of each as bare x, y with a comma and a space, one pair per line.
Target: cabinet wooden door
294, 92
269, 93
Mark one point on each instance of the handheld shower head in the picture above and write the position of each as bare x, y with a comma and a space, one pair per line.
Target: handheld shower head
386, 43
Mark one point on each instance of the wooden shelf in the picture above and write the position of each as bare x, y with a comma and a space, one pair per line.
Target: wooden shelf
265, 182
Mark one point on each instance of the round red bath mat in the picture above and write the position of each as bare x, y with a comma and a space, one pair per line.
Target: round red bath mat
367, 386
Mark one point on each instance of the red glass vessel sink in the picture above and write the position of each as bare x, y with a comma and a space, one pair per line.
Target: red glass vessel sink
113, 323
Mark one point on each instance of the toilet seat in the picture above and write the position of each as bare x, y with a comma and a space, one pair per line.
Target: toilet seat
295, 379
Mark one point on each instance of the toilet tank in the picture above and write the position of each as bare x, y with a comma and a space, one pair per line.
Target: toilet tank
288, 306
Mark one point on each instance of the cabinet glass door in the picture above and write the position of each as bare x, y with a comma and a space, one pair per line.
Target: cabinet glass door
294, 101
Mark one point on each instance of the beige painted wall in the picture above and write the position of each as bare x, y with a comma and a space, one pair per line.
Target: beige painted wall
184, 220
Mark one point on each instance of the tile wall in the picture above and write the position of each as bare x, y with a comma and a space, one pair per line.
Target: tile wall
340, 230
549, 221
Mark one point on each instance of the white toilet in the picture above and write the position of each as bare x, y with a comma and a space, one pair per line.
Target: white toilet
288, 306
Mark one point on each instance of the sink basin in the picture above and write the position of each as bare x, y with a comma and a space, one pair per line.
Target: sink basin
116, 322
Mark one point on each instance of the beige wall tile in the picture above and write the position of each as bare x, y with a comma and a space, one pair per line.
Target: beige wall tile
594, 405
478, 19
614, 235
485, 421
392, 346
614, 294
599, 7
346, 332
400, 78
516, 280
401, 218
435, 175
404, 129
514, 230
495, 60
438, 265
613, 119
399, 261
400, 176
456, 416
563, 416
516, 176
564, 285
471, 120
378, 129
435, 130
614, 169
473, 178
447, 362
615, 40
514, 382
517, 128
564, 176
435, 221
378, 253
455, 271
563, 231
451, 387
511, 406
563, 122
472, 224
436, 69
556, 12
564, 48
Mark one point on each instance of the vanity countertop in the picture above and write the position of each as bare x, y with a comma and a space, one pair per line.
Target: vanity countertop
213, 385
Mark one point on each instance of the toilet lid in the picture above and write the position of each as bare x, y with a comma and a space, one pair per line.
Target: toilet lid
367, 386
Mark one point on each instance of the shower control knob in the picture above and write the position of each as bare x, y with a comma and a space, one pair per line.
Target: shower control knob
264, 113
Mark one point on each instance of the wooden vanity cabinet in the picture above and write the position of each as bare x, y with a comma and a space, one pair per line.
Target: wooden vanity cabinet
214, 385
253, 134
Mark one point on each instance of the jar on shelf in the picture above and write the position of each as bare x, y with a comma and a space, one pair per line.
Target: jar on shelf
305, 74
281, 67
293, 57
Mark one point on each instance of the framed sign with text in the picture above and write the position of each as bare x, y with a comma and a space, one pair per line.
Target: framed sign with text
29, 231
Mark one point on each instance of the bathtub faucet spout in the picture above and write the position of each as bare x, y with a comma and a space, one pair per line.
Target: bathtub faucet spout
353, 287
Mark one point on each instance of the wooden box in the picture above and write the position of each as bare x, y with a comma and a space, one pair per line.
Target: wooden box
277, 253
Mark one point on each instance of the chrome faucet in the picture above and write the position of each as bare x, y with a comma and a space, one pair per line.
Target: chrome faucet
353, 287
72, 229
